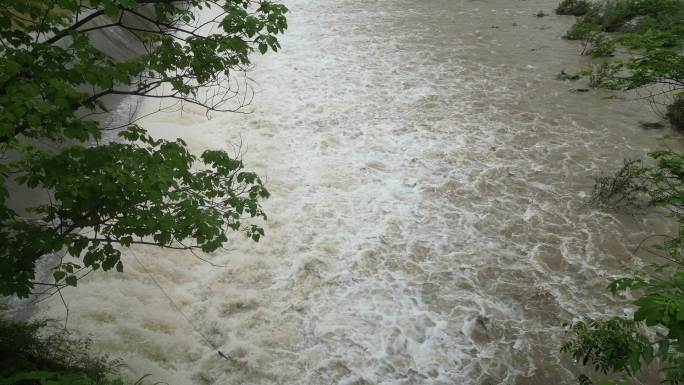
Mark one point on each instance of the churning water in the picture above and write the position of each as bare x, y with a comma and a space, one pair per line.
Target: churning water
427, 223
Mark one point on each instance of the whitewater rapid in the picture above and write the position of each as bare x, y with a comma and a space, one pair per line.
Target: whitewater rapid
428, 220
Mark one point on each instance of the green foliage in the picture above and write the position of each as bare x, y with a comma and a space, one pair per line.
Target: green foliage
655, 333
611, 346
601, 46
140, 190
658, 66
621, 15
654, 32
53, 378
596, 43
602, 75
40, 80
624, 189
137, 190
675, 113
36, 353
573, 7
581, 30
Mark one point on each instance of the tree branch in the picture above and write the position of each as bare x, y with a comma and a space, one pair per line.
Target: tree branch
75, 26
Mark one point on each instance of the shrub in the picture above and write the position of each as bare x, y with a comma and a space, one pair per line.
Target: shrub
37, 353
675, 113
582, 30
652, 336
601, 46
654, 28
613, 15
603, 75
573, 7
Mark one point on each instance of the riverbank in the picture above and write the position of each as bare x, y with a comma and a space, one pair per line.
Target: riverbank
649, 36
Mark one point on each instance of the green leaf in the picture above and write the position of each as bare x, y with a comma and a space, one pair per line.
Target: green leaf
58, 275
71, 280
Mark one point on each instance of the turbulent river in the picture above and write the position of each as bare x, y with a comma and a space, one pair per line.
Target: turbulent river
428, 220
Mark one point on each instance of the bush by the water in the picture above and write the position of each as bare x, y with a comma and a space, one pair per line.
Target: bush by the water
634, 15
601, 46
675, 113
37, 353
582, 30
652, 29
651, 336
573, 7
